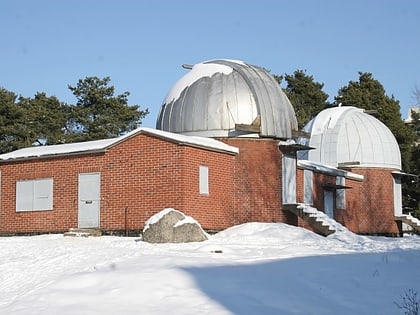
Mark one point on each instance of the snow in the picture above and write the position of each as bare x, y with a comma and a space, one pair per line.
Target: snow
155, 218
58, 149
323, 168
287, 142
254, 268
187, 220
198, 71
194, 140
100, 145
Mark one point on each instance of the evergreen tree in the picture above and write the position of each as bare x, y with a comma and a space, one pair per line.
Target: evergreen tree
12, 135
306, 96
369, 94
44, 119
98, 114
412, 184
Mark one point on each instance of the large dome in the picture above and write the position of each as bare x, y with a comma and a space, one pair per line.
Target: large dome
349, 136
222, 98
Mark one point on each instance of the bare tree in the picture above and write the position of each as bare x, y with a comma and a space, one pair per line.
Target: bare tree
410, 303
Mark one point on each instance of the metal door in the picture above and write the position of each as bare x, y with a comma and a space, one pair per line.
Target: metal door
329, 203
89, 200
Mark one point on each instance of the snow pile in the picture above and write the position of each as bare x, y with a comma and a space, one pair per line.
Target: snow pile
254, 268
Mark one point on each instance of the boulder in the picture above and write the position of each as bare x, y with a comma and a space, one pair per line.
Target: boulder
172, 226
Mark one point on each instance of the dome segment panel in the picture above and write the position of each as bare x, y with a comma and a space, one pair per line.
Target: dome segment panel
348, 135
216, 96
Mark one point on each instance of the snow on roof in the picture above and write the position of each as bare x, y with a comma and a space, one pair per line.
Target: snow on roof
322, 168
209, 143
58, 149
102, 145
201, 70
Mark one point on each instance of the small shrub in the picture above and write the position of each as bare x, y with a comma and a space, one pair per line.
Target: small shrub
410, 303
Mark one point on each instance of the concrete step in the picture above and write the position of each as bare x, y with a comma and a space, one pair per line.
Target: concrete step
313, 218
411, 221
83, 232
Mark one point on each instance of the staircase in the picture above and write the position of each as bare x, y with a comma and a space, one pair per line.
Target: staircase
411, 221
83, 232
318, 220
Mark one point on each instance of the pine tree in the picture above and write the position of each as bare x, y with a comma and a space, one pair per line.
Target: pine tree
12, 134
412, 184
98, 114
369, 94
44, 119
306, 96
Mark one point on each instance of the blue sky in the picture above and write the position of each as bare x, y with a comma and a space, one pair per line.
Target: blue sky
141, 45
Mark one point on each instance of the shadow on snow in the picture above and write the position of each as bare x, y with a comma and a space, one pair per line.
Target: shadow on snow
330, 284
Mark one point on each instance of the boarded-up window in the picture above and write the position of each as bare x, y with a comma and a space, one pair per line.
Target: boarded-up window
340, 197
308, 187
204, 180
289, 179
33, 195
397, 196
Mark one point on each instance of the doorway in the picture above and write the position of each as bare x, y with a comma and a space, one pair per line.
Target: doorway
89, 200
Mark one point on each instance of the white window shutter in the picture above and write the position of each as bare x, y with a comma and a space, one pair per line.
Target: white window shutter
204, 180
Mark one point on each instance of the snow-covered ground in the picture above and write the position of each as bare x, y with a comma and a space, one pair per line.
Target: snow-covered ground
255, 268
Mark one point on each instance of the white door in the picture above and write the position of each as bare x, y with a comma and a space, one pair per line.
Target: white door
329, 203
289, 179
89, 200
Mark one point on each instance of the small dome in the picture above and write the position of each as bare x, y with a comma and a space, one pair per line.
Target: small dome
348, 135
217, 97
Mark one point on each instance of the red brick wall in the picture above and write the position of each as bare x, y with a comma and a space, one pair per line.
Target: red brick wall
149, 174
139, 177
65, 178
144, 174
215, 210
370, 204
258, 181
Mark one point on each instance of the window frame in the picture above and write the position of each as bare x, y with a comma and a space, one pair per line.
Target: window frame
34, 195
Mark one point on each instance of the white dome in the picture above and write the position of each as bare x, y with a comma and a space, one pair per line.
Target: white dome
348, 135
217, 95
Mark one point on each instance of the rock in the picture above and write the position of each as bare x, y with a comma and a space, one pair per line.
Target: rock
172, 226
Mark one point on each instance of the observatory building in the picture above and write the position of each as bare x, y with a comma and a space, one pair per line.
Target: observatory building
226, 151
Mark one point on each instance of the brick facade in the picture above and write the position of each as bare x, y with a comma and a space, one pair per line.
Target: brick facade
139, 177
369, 203
258, 181
144, 174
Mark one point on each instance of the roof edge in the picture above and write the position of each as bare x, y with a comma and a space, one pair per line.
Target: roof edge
100, 146
329, 170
